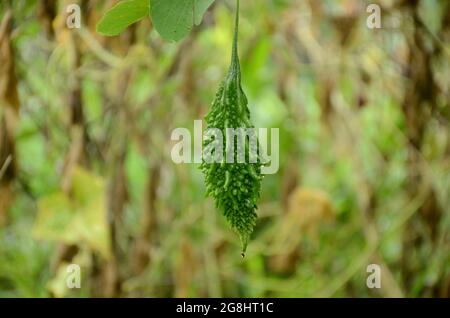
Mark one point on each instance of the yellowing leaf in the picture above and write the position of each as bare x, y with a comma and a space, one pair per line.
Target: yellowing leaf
55, 218
80, 217
86, 187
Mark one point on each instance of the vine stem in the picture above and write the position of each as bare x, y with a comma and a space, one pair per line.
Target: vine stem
235, 55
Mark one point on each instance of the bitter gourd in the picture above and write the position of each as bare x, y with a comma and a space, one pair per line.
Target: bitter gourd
235, 187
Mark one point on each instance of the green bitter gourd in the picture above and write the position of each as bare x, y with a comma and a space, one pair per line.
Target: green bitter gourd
235, 187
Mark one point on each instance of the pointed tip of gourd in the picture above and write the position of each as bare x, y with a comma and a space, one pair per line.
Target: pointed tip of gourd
244, 242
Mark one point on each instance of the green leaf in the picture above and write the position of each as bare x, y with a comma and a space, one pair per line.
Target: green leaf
122, 15
174, 19
200, 8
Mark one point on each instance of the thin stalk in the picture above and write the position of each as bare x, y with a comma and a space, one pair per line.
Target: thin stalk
235, 67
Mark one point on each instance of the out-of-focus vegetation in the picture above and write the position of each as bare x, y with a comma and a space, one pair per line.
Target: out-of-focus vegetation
86, 175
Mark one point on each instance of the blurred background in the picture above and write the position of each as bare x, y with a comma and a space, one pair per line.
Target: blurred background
86, 175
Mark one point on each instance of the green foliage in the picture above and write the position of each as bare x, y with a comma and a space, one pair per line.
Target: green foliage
24, 269
234, 186
122, 15
343, 131
199, 9
175, 19
172, 19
